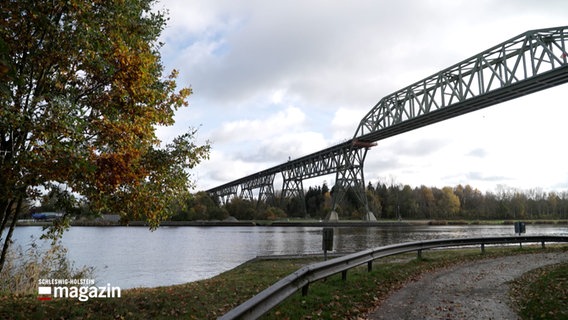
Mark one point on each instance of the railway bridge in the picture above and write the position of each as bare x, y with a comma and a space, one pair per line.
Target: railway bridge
532, 61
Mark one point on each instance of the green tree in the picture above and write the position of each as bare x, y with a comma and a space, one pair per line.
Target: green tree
271, 213
518, 205
83, 92
408, 205
374, 202
199, 206
242, 209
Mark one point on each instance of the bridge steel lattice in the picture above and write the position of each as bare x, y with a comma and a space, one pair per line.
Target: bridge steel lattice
530, 62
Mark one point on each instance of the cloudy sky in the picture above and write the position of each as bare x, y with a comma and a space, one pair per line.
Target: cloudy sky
280, 79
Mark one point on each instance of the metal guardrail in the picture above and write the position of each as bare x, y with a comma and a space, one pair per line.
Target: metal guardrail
278, 292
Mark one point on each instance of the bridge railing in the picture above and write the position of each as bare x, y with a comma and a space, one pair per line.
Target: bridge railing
300, 280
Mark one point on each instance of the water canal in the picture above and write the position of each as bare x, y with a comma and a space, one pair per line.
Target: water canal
136, 257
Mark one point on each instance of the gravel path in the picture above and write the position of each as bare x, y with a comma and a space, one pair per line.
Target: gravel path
476, 290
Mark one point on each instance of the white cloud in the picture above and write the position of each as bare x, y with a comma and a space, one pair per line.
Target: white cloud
278, 79
345, 122
277, 96
222, 168
276, 124
288, 146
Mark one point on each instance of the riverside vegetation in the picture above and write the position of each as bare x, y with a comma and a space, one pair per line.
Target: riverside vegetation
24, 267
387, 201
330, 299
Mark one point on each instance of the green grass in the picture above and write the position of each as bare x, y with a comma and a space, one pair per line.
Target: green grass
208, 299
542, 293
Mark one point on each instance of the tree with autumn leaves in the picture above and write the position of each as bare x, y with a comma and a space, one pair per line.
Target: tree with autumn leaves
82, 90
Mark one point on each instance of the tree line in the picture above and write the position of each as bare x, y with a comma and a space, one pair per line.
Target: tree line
388, 201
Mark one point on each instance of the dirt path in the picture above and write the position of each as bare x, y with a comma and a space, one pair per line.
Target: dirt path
476, 290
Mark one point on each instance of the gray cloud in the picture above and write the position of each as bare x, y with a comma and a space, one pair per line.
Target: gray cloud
478, 153
338, 52
328, 56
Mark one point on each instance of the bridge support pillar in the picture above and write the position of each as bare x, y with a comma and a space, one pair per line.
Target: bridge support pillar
266, 192
226, 194
332, 216
293, 187
246, 193
350, 177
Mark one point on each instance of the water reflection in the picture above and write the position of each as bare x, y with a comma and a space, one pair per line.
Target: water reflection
133, 256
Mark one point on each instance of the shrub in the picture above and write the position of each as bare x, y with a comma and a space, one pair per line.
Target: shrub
23, 268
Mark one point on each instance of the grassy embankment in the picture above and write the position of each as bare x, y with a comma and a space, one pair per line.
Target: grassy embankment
208, 299
542, 293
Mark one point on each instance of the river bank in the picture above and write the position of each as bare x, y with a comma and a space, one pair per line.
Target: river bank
107, 222
294, 223
208, 299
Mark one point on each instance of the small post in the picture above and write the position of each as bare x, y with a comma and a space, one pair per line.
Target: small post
420, 254
520, 228
482, 248
344, 275
327, 243
543, 244
370, 265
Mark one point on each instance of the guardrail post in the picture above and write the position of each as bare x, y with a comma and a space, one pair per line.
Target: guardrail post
305, 289
482, 248
419, 254
370, 265
543, 245
344, 275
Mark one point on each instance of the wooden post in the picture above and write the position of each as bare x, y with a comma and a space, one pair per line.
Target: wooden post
370, 266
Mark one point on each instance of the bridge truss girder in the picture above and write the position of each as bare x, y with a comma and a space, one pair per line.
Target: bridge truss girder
533, 61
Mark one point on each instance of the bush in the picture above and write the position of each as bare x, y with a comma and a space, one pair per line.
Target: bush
23, 268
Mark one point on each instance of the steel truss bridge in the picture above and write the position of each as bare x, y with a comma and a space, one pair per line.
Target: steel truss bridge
527, 63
